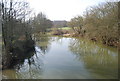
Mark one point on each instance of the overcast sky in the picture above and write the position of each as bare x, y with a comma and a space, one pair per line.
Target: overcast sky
62, 9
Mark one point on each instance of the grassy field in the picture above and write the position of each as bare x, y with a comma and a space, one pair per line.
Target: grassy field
62, 28
65, 28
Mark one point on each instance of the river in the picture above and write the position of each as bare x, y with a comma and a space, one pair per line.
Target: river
67, 58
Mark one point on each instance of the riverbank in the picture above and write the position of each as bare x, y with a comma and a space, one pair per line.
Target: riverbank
68, 33
16, 52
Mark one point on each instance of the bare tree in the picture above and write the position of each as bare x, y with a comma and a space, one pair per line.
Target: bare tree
15, 28
41, 23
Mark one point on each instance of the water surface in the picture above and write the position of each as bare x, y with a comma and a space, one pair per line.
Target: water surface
67, 58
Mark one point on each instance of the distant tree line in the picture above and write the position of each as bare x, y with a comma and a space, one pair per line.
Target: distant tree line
98, 23
59, 24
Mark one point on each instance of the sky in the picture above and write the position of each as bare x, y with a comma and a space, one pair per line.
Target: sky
62, 9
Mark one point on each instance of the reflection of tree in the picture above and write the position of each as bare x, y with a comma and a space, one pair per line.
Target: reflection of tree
28, 67
59, 40
97, 59
31, 69
43, 42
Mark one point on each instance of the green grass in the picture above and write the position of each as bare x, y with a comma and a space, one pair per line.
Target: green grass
65, 28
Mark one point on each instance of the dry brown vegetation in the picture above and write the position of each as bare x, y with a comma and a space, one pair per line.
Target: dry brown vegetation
98, 23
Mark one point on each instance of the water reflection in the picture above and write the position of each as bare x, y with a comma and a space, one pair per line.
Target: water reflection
43, 42
66, 58
29, 67
26, 67
97, 58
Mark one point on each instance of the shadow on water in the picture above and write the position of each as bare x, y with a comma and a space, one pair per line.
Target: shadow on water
29, 64
98, 59
24, 68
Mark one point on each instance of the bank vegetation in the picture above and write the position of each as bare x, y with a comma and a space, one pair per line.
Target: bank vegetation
98, 23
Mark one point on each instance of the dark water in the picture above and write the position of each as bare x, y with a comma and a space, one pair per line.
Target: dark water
67, 58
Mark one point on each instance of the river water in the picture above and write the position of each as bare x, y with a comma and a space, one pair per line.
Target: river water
67, 58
